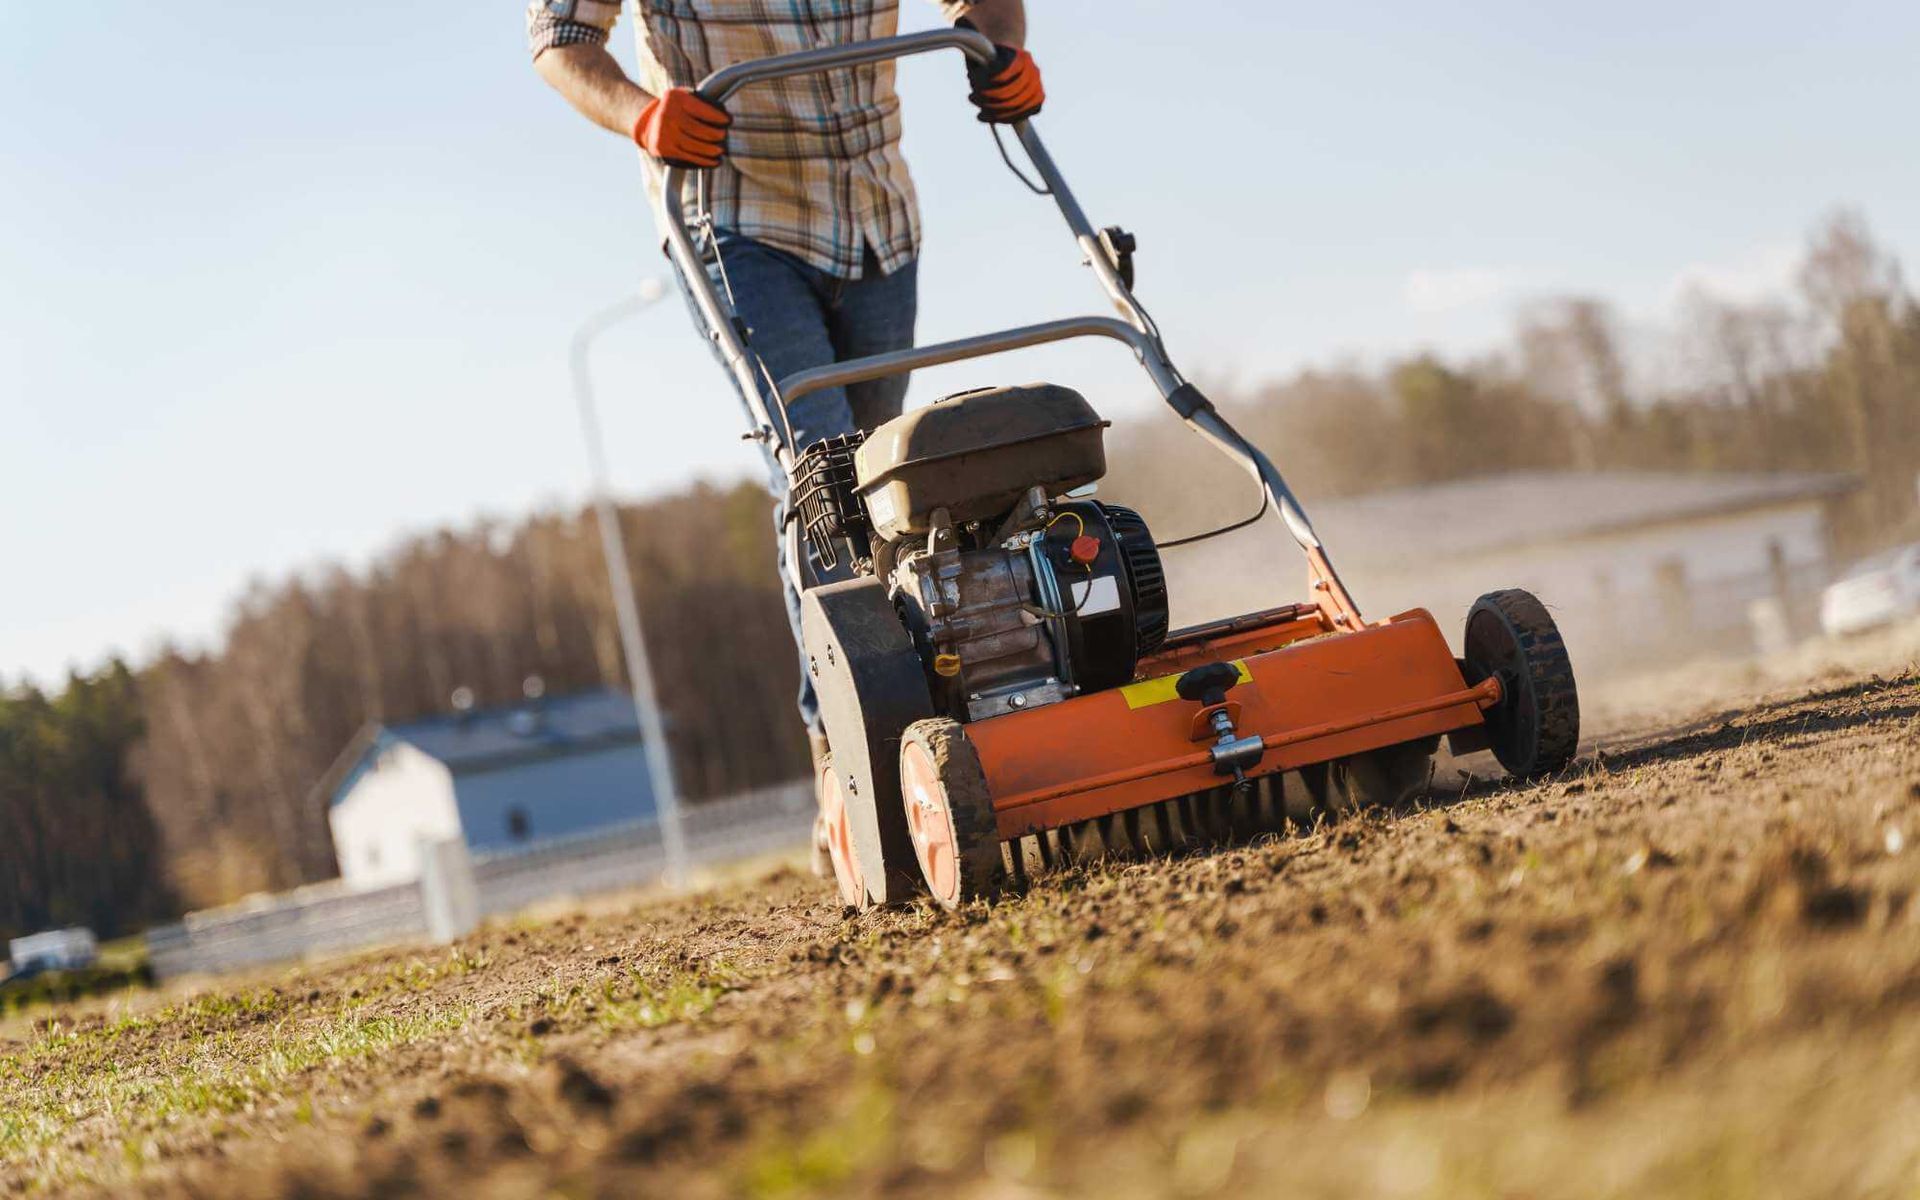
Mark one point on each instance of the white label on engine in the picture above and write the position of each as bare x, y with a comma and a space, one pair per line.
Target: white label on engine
1098, 595
880, 507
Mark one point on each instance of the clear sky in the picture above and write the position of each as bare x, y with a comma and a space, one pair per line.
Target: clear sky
281, 281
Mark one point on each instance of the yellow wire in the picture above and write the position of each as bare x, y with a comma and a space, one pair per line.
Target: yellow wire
1085, 568
1078, 520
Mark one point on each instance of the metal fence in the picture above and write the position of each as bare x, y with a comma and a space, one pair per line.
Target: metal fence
329, 917
1698, 618
626, 856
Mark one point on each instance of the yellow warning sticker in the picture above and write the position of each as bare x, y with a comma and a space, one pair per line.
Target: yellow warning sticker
1149, 692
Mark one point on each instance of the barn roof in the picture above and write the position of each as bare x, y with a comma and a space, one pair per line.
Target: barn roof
483, 738
1523, 508
489, 738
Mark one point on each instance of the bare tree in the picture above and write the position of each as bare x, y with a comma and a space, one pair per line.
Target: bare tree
1570, 353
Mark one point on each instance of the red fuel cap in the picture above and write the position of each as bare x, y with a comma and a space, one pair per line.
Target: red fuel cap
1085, 549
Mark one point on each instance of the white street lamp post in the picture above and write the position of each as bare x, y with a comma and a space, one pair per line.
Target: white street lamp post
646, 703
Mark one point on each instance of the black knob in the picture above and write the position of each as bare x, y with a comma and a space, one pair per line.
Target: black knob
1208, 684
1120, 245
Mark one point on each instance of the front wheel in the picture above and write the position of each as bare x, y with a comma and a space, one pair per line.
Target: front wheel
949, 813
1535, 728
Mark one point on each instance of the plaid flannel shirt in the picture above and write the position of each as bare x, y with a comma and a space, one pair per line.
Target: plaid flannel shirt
813, 162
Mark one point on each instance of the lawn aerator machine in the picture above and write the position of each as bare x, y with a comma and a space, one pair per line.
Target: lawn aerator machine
990, 645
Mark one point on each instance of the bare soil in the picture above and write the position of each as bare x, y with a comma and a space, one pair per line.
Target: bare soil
1690, 966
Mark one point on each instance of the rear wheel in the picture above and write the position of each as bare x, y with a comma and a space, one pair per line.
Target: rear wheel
949, 813
838, 833
1535, 728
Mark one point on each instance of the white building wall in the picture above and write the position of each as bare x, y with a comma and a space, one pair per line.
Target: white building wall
377, 826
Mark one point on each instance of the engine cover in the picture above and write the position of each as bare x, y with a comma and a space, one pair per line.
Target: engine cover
1048, 614
974, 453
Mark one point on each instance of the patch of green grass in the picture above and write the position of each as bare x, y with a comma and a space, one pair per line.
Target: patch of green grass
414, 975
420, 974
344, 1039
218, 1077
227, 1007
75, 1050
648, 1002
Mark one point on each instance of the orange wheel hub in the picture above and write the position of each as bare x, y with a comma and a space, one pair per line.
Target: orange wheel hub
833, 812
930, 822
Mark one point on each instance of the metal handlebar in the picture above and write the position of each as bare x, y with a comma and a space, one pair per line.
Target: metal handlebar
1136, 328
899, 362
730, 79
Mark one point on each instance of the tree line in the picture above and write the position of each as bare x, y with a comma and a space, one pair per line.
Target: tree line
189, 780
1825, 379
78, 845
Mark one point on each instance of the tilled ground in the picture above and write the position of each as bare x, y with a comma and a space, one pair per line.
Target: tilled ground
1691, 966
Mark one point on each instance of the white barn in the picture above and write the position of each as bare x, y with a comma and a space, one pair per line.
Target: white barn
502, 779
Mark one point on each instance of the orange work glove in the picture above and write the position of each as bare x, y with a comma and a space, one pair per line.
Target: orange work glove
1008, 88
682, 129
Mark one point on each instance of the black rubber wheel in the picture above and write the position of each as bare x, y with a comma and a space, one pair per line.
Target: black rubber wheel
1535, 728
949, 813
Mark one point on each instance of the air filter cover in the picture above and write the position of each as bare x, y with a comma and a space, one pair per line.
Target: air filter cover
976, 452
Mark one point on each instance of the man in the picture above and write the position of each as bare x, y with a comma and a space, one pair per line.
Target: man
816, 227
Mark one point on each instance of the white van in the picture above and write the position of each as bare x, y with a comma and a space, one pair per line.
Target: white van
1874, 592
54, 950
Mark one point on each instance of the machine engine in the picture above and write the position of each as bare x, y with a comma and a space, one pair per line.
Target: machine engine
1016, 591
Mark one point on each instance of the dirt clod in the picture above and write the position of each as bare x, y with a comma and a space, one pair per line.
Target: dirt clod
1834, 906
578, 1088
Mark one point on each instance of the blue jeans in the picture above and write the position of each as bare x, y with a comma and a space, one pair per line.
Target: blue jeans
797, 317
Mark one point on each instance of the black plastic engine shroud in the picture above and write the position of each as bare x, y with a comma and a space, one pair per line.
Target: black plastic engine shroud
1105, 647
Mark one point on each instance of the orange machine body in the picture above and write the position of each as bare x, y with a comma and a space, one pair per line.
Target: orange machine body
1313, 688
